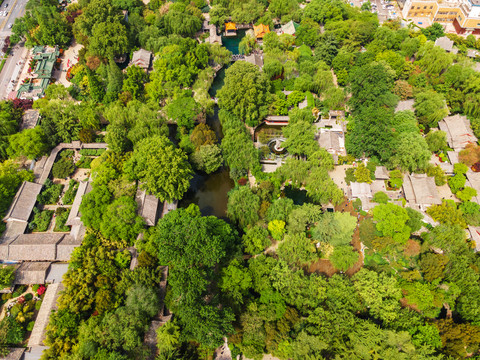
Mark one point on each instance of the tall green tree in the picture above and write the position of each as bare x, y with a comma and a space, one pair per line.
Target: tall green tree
245, 93
161, 169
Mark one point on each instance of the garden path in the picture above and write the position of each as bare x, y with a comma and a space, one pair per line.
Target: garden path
9, 301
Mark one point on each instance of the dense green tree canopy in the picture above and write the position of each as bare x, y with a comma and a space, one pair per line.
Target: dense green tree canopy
161, 168
243, 93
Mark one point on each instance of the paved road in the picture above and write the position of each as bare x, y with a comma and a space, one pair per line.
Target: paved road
11, 69
16, 8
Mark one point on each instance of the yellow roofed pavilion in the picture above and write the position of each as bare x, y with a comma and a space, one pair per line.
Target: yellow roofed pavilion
261, 30
230, 26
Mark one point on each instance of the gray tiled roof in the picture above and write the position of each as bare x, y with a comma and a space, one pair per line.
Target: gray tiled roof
421, 190
74, 216
23, 202
30, 273
147, 207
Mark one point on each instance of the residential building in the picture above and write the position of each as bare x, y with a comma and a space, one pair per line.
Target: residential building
290, 28
45, 58
23, 202
255, 59
332, 141
381, 173
32, 273
420, 191
361, 191
459, 132
473, 180
39, 247
142, 58
14, 354
73, 219
147, 207
446, 44
463, 15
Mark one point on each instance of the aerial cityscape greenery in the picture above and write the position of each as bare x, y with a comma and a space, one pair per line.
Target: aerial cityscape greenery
322, 251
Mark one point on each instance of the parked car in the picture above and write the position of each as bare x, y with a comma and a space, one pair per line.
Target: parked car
6, 5
10, 26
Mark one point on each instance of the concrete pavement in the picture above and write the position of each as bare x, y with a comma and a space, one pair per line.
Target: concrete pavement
16, 9
11, 69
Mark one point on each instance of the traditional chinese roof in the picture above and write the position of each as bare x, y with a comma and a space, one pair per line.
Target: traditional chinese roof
147, 207
446, 44
74, 215
230, 26
459, 132
261, 30
142, 58
420, 189
290, 27
255, 59
30, 273
23, 202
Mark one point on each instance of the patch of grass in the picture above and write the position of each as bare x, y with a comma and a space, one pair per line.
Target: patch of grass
2, 64
84, 162
92, 152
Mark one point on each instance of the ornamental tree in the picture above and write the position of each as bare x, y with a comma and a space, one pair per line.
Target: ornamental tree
160, 167
245, 93
392, 221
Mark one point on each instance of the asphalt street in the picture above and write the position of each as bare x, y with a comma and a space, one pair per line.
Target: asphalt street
15, 8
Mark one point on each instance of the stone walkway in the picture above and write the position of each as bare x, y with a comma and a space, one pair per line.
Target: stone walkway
41, 322
69, 58
9, 301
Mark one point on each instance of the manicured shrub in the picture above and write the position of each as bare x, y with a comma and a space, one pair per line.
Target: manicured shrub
41, 220
92, 152
63, 168
84, 162
60, 220
70, 193
50, 193
6, 276
30, 325
28, 297
38, 304
380, 197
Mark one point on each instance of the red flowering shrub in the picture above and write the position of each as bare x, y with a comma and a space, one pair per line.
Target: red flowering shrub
41, 290
24, 104
21, 299
242, 181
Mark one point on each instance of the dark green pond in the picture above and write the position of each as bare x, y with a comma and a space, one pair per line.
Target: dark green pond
232, 42
209, 192
218, 82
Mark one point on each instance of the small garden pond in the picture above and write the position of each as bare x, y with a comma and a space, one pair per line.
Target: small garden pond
232, 42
